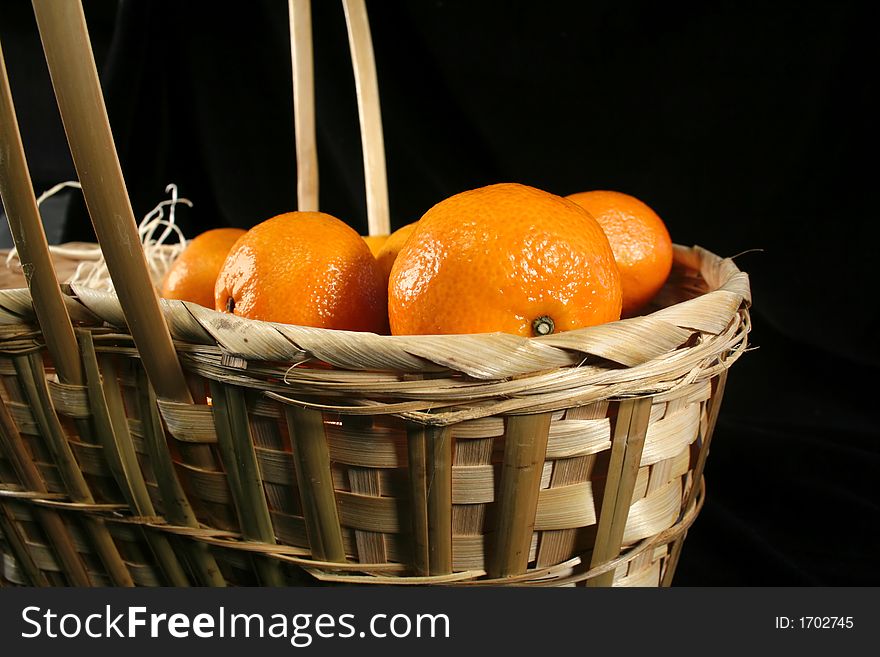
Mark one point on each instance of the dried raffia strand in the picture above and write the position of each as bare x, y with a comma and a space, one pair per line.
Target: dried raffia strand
160, 251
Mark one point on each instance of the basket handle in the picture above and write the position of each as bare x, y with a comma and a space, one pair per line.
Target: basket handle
68, 51
369, 111
372, 142
300, 13
27, 231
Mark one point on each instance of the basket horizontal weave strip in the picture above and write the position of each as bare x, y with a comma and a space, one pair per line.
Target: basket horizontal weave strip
312, 455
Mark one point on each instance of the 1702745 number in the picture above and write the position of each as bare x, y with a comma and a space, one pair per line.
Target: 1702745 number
826, 622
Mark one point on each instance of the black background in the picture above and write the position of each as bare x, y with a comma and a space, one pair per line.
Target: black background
744, 125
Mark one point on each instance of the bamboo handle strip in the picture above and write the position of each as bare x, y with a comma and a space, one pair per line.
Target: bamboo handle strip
30, 240
300, 13
369, 114
71, 64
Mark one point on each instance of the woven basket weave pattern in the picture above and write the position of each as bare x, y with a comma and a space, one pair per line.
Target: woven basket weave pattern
323, 455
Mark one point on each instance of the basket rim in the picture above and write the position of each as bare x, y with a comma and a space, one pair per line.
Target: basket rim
487, 356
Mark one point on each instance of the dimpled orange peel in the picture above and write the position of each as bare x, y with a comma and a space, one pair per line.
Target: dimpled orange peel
391, 248
640, 241
304, 268
192, 275
375, 242
508, 258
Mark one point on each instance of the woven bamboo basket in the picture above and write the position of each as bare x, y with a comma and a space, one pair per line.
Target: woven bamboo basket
190, 447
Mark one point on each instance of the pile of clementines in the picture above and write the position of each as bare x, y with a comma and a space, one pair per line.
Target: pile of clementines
505, 257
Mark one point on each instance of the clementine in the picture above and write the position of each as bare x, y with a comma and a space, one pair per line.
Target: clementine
192, 275
375, 242
388, 253
507, 258
640, 241
304, 268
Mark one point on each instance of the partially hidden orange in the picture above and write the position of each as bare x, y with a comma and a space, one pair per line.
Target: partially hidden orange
192, 275
640, 241
507, 258
375, 242
304, 268
388, 253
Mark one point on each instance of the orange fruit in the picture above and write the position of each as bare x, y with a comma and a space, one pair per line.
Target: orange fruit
507, 258
375, 242
640, 241
191, 277
304, 268
388, 253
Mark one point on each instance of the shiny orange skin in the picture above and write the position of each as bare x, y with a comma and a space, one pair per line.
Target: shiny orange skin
192, 275
498, 258
304, 268
640, 241
388, 253
375, 243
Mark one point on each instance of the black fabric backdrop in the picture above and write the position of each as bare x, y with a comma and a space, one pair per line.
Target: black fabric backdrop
745, 125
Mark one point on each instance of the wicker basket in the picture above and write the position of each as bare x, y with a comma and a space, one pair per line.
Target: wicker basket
306, 456
466, 459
